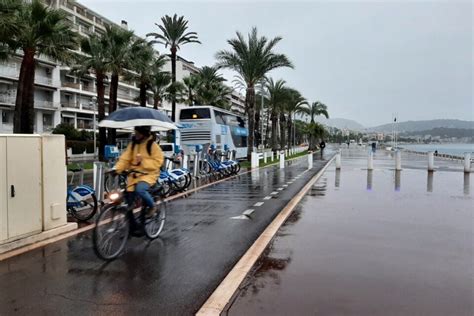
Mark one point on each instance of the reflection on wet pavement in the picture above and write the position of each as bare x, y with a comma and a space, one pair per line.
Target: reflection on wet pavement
172, 275
395, 244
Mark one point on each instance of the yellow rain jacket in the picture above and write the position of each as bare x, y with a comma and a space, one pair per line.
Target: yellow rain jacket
150, 163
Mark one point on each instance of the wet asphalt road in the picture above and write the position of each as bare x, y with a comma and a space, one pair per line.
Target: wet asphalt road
372, 243
172, 275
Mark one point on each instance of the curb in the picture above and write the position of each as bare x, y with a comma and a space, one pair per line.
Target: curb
220, 298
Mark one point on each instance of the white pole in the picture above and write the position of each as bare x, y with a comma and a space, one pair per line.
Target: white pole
338, 160
430, 161
467, 162
370, 161
254, 160
398, 160
264, 157
185, 161
310, 161
282, 160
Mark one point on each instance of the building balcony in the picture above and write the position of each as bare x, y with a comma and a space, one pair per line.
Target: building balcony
7, 99
44, 104
10, 71
70, 104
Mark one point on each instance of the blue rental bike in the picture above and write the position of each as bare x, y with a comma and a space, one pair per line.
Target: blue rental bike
81, 201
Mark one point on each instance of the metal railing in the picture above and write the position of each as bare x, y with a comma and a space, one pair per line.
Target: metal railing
71, 85
46, 104
74, 105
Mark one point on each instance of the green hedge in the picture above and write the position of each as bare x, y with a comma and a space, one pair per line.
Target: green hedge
78, 146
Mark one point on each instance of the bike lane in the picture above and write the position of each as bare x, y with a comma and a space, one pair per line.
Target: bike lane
205, 235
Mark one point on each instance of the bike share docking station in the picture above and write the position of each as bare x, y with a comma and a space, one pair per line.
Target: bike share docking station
33, 189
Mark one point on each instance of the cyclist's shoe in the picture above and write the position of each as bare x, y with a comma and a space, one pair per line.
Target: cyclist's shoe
151, 211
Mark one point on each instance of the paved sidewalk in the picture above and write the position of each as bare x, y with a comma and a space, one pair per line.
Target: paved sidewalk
372, 243
172, 275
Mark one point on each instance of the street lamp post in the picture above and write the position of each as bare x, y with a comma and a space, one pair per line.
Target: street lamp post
93, 104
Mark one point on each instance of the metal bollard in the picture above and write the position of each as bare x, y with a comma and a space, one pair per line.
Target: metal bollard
370, 161
282, 160
271, 156
467, 162
430, 161
185, 161
264, 157
98, 181
398, 160
310, 161
195, 165
338, 160
254, 160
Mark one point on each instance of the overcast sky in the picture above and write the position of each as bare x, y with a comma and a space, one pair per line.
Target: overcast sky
364, 59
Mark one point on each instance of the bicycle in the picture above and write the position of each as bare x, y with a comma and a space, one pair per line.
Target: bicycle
81, 201
118, 221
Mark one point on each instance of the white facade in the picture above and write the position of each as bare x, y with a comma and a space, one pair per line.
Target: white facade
60, 96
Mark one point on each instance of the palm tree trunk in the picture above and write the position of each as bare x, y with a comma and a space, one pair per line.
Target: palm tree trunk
113, 106
173, 80
24, 116
290, 125
257, 129
267, 130
282, 131
250, 104
274, 141
101, 109
156, 102
143, 96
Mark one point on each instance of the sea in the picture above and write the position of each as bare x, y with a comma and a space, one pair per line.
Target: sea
450, 149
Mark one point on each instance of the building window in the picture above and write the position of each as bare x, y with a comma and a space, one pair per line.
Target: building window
7, 117
68, 120
47, 120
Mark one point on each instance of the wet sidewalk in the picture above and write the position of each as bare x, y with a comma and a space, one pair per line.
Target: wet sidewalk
173, 275
371, 243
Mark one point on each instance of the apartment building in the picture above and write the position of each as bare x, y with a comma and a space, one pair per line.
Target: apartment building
61, 97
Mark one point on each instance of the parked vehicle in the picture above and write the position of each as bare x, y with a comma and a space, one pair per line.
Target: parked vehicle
206, 125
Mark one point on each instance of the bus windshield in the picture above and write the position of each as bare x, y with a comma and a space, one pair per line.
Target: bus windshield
195, 114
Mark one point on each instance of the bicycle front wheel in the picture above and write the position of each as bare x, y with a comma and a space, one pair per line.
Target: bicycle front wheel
86, 208
111, 232
154, 225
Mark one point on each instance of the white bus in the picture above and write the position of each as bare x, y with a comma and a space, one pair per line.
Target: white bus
207, 125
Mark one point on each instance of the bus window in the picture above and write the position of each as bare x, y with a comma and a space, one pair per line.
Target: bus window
195, 114
220, 117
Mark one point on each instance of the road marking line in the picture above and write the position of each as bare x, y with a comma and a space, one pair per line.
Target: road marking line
240, 217
285, 185
248, 212
280, 189
221, 297
259, 204
267, 197
274, 193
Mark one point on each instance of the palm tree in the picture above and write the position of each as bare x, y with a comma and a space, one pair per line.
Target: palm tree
277, 94
315, 130
317, 108
174, 34
191, 84
95, 59
252, 59
296, 104
159, 86
119, 42
34, 29
144, 64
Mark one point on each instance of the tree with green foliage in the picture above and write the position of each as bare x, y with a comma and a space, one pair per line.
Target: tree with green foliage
174, 34
34, 29
95, 60
252, 59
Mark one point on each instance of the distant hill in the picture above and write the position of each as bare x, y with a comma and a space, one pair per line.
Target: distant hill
443, 132
418, 126
341, 123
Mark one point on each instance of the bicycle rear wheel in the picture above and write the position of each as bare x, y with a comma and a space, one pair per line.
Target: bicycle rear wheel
111, 232
154, 226
86, 210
